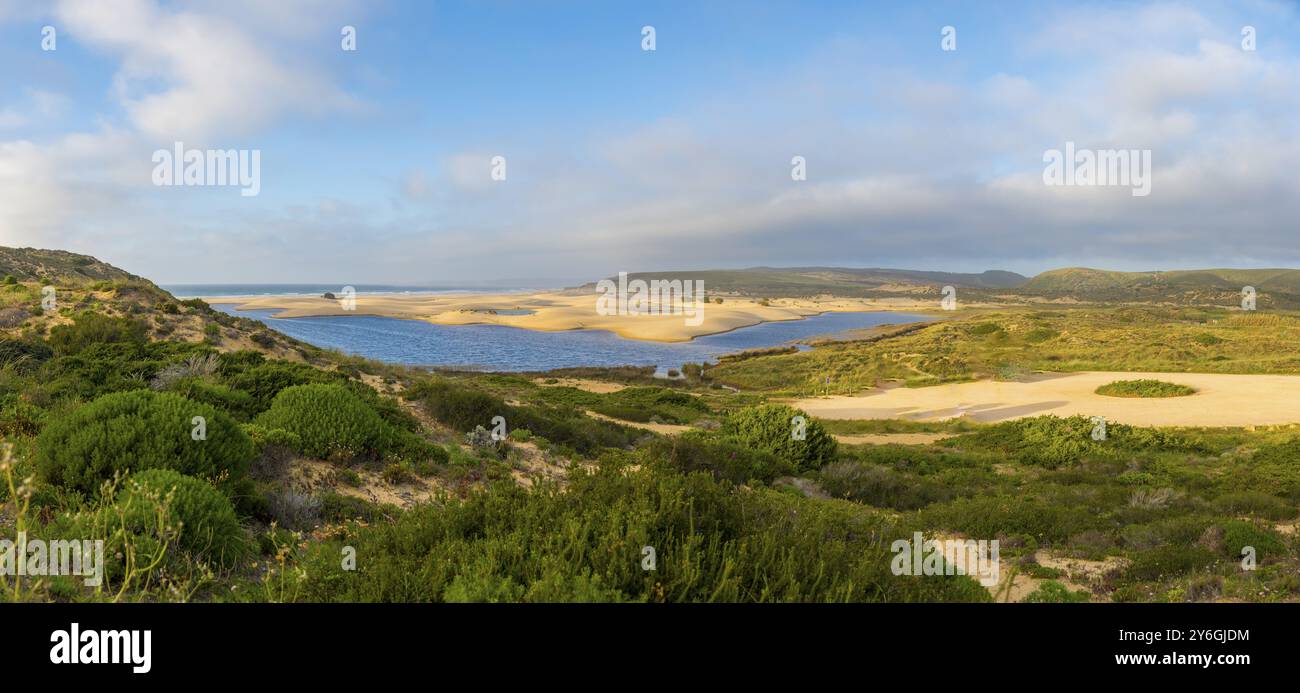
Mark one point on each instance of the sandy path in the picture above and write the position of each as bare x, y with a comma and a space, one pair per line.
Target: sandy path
1220, 400
888, 438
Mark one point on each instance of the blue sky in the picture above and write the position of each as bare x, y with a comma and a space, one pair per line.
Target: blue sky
375, 163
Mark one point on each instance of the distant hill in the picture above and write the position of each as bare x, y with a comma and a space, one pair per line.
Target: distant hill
840, 281
1085, 279
1275, 287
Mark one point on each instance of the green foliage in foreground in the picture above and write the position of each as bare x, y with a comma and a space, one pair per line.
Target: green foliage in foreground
789, 433
202, 516
138, 430
1145, 387
712, 542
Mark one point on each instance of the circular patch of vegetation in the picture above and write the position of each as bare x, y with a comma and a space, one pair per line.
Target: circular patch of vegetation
1144, 388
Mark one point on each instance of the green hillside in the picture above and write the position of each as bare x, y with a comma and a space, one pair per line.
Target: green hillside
868, 282
34, 264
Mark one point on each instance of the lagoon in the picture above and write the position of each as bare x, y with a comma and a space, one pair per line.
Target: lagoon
500, 348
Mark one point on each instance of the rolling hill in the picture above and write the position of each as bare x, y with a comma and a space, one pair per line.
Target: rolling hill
866, 282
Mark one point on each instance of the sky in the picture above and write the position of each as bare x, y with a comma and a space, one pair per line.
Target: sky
376, 164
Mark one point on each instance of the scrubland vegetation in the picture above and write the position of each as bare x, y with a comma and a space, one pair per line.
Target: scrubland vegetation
307, 460
1009, 344
1144, 388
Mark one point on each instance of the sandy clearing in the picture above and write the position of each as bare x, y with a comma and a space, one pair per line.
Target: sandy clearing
1220, 400
560, 311
599, 387
888, 438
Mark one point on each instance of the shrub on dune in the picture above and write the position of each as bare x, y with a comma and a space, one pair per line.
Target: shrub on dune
139, 430
773, 428
333, 421
202, 516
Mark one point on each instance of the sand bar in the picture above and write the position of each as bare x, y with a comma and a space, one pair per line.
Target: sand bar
562, 310
1220, 400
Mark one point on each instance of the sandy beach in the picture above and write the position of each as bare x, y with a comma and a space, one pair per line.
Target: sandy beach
1220, 400
561, 310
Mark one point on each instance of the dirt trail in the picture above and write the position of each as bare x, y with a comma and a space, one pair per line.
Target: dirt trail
1220, 400
665, 429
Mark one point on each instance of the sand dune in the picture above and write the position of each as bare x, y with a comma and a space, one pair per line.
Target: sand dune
558, 311
1220, 400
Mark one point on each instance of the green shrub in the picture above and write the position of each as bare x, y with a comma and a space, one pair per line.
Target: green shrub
463, 409
1272, 467
458, 407
880, 486
771, 427
724, 459
1144, 388
139, 430
239, 404
1051, 441
333, 421
1255, 503
95, 328
1053, 592
993, 515
25, 355
264, 380
713, 542
19, 418
329, 420
203, 516
1169, 560
1238, 534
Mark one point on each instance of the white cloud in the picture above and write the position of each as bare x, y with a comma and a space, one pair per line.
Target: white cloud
219, 80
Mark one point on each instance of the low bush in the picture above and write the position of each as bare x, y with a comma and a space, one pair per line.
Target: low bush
773, 428
332, 421
1144, 388
201, 515
1051, 441
95, 328
139, 430
879, 486
1053, 592
1239, 534
724, 459
712, 542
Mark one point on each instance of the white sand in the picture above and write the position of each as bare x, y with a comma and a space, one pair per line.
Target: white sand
1220, 400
